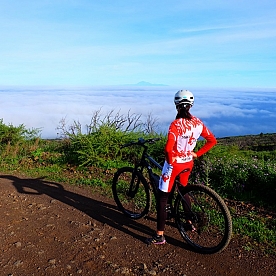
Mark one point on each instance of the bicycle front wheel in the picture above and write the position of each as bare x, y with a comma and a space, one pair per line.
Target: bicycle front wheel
203, 219
131, 193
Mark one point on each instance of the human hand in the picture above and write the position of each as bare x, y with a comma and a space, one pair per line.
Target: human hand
194, 154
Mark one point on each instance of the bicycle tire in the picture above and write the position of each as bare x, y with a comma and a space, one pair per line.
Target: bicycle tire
135, 201
211, 228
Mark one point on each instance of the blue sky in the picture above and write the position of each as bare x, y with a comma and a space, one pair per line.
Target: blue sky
211, 43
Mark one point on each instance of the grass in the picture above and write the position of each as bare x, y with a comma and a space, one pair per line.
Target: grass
257, 230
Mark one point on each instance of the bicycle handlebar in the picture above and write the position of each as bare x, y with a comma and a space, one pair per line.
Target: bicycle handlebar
141, 142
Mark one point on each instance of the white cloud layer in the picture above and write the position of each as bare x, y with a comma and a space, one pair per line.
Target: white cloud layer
225, 112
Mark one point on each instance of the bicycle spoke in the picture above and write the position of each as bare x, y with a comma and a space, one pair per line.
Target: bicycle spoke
203, 221
131, 193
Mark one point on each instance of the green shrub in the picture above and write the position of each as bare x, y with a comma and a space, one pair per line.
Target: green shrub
238, 176
12, 135
233, 173
97, 148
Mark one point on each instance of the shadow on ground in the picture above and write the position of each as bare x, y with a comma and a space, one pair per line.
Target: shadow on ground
100, 211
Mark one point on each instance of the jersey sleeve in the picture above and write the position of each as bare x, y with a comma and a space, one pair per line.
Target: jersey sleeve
210, 141
170, 143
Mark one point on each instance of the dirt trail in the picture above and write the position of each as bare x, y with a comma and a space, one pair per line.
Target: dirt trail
48, 228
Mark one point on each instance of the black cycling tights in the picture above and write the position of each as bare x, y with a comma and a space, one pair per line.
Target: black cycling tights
161, 210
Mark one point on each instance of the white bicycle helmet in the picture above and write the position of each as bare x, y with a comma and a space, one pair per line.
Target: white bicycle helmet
184, 96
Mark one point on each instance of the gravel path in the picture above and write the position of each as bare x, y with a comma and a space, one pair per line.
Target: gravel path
55, 229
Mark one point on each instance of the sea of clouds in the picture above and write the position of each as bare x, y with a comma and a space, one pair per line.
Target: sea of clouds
227, 112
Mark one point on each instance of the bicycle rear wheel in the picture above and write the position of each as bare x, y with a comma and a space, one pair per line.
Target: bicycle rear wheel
203, 219
131, 193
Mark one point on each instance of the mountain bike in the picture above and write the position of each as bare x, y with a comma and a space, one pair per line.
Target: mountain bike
200, 214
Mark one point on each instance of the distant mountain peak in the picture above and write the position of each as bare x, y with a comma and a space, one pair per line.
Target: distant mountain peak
145, 83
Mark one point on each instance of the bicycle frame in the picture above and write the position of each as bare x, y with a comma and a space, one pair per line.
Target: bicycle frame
144, 164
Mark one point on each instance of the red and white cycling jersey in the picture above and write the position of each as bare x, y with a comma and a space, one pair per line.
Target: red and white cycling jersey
182, 137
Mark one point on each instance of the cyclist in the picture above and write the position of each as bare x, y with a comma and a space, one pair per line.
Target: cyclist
183, 134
